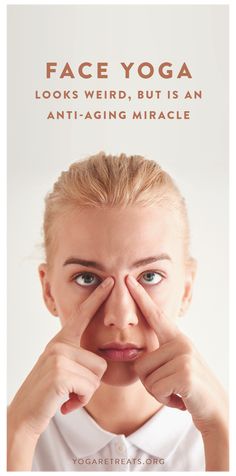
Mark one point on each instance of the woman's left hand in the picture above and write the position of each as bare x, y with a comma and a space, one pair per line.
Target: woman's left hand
175, 373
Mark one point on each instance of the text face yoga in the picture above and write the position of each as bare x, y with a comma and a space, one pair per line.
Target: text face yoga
144, 70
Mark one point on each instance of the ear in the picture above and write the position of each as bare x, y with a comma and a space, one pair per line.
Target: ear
191, 269
46, 288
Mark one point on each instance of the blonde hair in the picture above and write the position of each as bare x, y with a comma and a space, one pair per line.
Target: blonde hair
112, 181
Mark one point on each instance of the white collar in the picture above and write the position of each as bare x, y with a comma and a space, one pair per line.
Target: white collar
158, 436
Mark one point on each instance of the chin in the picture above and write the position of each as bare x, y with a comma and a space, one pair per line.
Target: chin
120, 374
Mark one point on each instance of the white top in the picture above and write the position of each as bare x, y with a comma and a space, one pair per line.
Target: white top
168, 441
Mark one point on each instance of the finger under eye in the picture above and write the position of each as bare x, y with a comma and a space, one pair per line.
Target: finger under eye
164, 329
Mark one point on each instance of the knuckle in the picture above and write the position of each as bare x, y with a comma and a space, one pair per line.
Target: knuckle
55, 348
84, 399
96, 381
92, 380
88, 385
155, 389
61, 385
186, 345
187, 369
95, 384
57, 362
187, 380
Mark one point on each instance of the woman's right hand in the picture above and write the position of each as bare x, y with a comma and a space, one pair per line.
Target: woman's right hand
64, 368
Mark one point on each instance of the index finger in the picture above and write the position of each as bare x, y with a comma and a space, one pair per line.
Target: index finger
156, 318
81, 317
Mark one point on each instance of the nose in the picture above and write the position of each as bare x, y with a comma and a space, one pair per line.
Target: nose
120, 309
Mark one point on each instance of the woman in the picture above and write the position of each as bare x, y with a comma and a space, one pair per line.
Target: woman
120, 387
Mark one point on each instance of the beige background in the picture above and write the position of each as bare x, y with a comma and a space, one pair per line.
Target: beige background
195, 152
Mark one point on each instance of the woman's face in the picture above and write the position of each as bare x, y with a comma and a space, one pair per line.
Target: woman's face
115, 240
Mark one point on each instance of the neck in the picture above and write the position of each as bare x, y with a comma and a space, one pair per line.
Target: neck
122, 410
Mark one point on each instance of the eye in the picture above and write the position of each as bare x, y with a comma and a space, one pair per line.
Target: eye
86, 279
152, 277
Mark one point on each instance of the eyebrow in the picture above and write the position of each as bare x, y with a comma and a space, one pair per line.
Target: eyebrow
137, 264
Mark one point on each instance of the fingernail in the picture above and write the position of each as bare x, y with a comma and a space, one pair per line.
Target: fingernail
132, 281
107, 282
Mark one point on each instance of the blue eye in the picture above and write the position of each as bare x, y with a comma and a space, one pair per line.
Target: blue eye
150, 275
86, 279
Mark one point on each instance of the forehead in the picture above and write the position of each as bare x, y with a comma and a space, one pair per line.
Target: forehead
117, 236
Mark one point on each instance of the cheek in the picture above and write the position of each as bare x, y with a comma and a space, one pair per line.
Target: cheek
67, 299
94, 334
167, 296
87, 339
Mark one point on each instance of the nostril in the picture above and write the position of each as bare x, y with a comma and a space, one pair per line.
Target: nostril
120, 319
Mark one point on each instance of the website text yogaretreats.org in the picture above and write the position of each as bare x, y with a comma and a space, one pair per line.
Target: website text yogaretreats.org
118, 461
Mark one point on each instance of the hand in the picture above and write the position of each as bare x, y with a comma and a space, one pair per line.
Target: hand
175, 374
63, 368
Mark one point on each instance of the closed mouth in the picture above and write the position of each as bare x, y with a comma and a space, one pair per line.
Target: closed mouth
120, 346
118, 351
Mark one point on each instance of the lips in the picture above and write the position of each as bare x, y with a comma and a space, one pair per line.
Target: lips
117, 351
